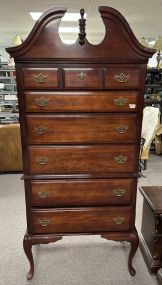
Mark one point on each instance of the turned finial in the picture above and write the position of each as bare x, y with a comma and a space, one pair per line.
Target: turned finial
82, 24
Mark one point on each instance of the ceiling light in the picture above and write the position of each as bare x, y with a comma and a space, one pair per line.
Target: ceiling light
35, 15
152, 42
68, 30
72, 17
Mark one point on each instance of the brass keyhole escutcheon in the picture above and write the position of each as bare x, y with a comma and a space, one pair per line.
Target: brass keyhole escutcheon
82, 75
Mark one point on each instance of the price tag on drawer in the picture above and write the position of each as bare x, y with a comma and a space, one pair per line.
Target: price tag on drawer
132, 106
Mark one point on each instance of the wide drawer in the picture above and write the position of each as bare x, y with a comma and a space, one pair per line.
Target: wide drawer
100, 101
80, 220
81, 128
82, 78
122, 78
82, 192
40, 78
82, 159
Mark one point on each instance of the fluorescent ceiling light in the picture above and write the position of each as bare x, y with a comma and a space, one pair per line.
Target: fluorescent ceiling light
151, 43
35, 15
69, 17
72, 17
71, 30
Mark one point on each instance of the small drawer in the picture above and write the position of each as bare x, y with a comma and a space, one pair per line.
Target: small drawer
81, 220
122, 78
82, 192
97, 101
82, 78
84, 128
82, 159
40, 78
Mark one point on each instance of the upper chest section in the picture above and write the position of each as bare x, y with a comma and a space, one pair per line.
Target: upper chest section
72, 76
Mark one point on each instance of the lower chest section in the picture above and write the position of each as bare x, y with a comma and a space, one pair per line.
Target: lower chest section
80, 205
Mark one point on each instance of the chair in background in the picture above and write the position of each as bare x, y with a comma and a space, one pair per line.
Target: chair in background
10, 148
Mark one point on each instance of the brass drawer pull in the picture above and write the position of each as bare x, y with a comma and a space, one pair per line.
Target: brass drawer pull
120, 102
122, 78
120, 159
40, 78
43, 195
82, 75
118, 220
41, 130
119, 192
42, 101
122, 129
44, 222
42, 160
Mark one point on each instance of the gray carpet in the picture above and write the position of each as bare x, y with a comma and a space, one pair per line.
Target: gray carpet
83, 260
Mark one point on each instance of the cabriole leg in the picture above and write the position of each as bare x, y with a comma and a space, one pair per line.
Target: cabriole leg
134, 240
27, 244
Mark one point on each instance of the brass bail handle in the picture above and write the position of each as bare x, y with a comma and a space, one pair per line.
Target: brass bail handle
122, 129
121, 159
42, 101
122, 78
42, 160
40, 78
120, 102
43, 195
118, 220
43, 222
119, 192
41, 130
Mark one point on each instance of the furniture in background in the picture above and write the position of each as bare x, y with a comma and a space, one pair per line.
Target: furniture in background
8, 95
80, 114
150, 123
159, 276
153, 90
10, 148
158, 139
151, 229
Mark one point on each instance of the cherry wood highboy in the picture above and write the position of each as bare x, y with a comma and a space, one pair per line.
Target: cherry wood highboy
80, 116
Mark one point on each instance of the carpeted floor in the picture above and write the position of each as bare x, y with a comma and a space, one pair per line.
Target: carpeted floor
83, 260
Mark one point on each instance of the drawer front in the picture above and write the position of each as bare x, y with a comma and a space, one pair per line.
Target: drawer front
81, 78
80, 220
113, 101
82, 192
40, 78
81, 128
122, 78
82, 159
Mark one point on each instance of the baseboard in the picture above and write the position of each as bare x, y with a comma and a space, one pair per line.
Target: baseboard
153, 265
